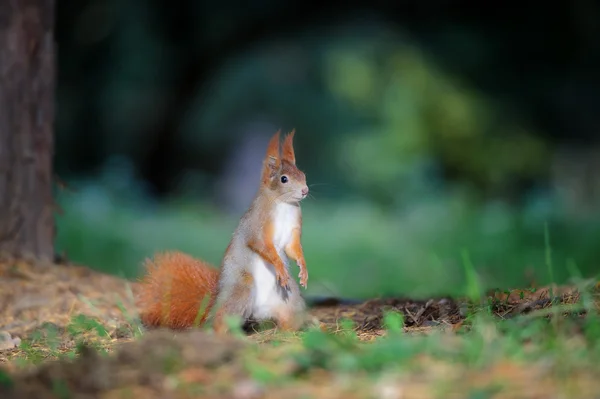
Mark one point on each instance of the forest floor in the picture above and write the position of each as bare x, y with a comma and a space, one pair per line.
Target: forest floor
70, 332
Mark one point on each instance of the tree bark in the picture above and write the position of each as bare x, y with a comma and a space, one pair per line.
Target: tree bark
27, 76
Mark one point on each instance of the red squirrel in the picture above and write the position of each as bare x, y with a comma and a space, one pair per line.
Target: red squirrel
179, 291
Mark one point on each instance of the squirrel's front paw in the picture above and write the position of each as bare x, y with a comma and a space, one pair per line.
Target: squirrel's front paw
282, 278
303, 276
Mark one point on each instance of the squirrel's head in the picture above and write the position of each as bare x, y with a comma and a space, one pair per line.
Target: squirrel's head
280, 174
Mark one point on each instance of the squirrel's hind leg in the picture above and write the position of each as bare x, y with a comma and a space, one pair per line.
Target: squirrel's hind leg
238, 303
288, 320
291, 315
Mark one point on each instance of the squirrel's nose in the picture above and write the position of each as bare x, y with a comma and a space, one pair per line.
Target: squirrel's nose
305, 191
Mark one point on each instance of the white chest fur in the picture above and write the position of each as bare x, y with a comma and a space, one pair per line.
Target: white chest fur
267, 295
285, 220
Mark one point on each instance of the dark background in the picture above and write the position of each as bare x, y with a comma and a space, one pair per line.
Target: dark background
434, 134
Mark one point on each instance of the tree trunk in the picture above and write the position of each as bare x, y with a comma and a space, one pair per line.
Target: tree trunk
26, 128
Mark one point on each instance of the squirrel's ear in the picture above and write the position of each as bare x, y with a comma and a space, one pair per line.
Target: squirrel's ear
288, 148
273, 158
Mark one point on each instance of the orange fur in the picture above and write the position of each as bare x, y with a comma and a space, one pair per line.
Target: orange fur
174, 289
287, 151
219, 325
272, 159
295, 252
268, 252
287, 321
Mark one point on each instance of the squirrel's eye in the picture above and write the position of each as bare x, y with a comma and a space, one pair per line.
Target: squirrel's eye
284, 179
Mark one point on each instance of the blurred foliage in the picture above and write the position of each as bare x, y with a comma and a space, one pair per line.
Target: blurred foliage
353, 249
420, 140
380, 101
422, 116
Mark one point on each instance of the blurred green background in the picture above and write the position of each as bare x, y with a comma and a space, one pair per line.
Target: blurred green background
427, 130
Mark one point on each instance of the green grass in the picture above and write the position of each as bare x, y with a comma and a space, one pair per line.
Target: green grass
440, 246
562, 351
48, 342
483, 356
352, 249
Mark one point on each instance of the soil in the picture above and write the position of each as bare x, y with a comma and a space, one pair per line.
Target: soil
33, 297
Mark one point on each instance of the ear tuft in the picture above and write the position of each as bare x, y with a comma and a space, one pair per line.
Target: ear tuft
273, 155
288, 148
272, 160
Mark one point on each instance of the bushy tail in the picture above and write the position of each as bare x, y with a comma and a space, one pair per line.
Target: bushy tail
177, 291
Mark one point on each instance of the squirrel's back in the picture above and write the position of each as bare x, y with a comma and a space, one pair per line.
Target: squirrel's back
177, 290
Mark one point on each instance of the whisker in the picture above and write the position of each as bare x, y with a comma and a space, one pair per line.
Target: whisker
289, 193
